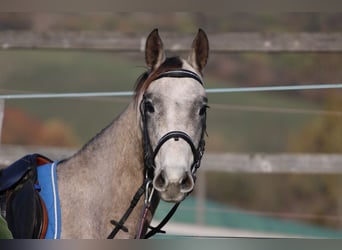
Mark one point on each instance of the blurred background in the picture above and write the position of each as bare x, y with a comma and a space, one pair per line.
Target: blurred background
293, 122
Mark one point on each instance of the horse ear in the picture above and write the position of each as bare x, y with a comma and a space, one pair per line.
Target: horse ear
154, 52
200, 50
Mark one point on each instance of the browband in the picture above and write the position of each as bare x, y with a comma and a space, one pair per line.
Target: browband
180, 73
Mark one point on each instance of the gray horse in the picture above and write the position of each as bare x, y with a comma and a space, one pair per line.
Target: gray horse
162, 128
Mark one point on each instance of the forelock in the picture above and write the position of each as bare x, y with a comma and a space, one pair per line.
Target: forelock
144, 81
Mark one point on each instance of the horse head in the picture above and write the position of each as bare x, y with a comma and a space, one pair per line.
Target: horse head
172, 103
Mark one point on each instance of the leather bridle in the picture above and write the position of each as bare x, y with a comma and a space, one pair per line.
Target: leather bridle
149, 153
149, 160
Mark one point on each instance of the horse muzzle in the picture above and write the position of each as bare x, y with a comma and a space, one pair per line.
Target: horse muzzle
174, 180
173, 189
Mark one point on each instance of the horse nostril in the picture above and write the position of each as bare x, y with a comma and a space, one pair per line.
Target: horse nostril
160, 182
184, 185
187, 183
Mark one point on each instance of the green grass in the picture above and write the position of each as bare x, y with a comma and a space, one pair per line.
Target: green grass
61, 71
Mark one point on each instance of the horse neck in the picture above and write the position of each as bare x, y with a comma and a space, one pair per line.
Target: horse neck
119, 144
103, 176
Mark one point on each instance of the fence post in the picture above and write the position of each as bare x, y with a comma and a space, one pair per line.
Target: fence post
339, 205
2, 114
200, 197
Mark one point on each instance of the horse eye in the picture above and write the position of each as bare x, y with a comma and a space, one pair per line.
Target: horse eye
149, 107
203, 110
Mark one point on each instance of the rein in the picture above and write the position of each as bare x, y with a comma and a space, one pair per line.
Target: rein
149, 164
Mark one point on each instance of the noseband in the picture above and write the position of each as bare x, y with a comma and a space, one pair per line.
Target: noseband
197, 153
149, 153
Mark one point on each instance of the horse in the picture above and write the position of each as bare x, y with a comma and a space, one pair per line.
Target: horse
154, 146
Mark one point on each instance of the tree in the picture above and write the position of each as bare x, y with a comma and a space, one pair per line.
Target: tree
23, 129
324, 133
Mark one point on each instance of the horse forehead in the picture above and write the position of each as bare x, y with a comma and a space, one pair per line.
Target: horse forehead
177, 88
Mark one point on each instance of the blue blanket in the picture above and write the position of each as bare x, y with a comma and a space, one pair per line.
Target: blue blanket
47, 179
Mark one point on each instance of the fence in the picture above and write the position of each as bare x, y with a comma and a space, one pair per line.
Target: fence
231, 163
220, 43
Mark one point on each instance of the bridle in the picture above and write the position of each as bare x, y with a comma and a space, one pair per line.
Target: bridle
197, 152
150, 155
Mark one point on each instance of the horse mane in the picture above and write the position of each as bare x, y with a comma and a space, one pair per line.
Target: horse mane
146, 78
